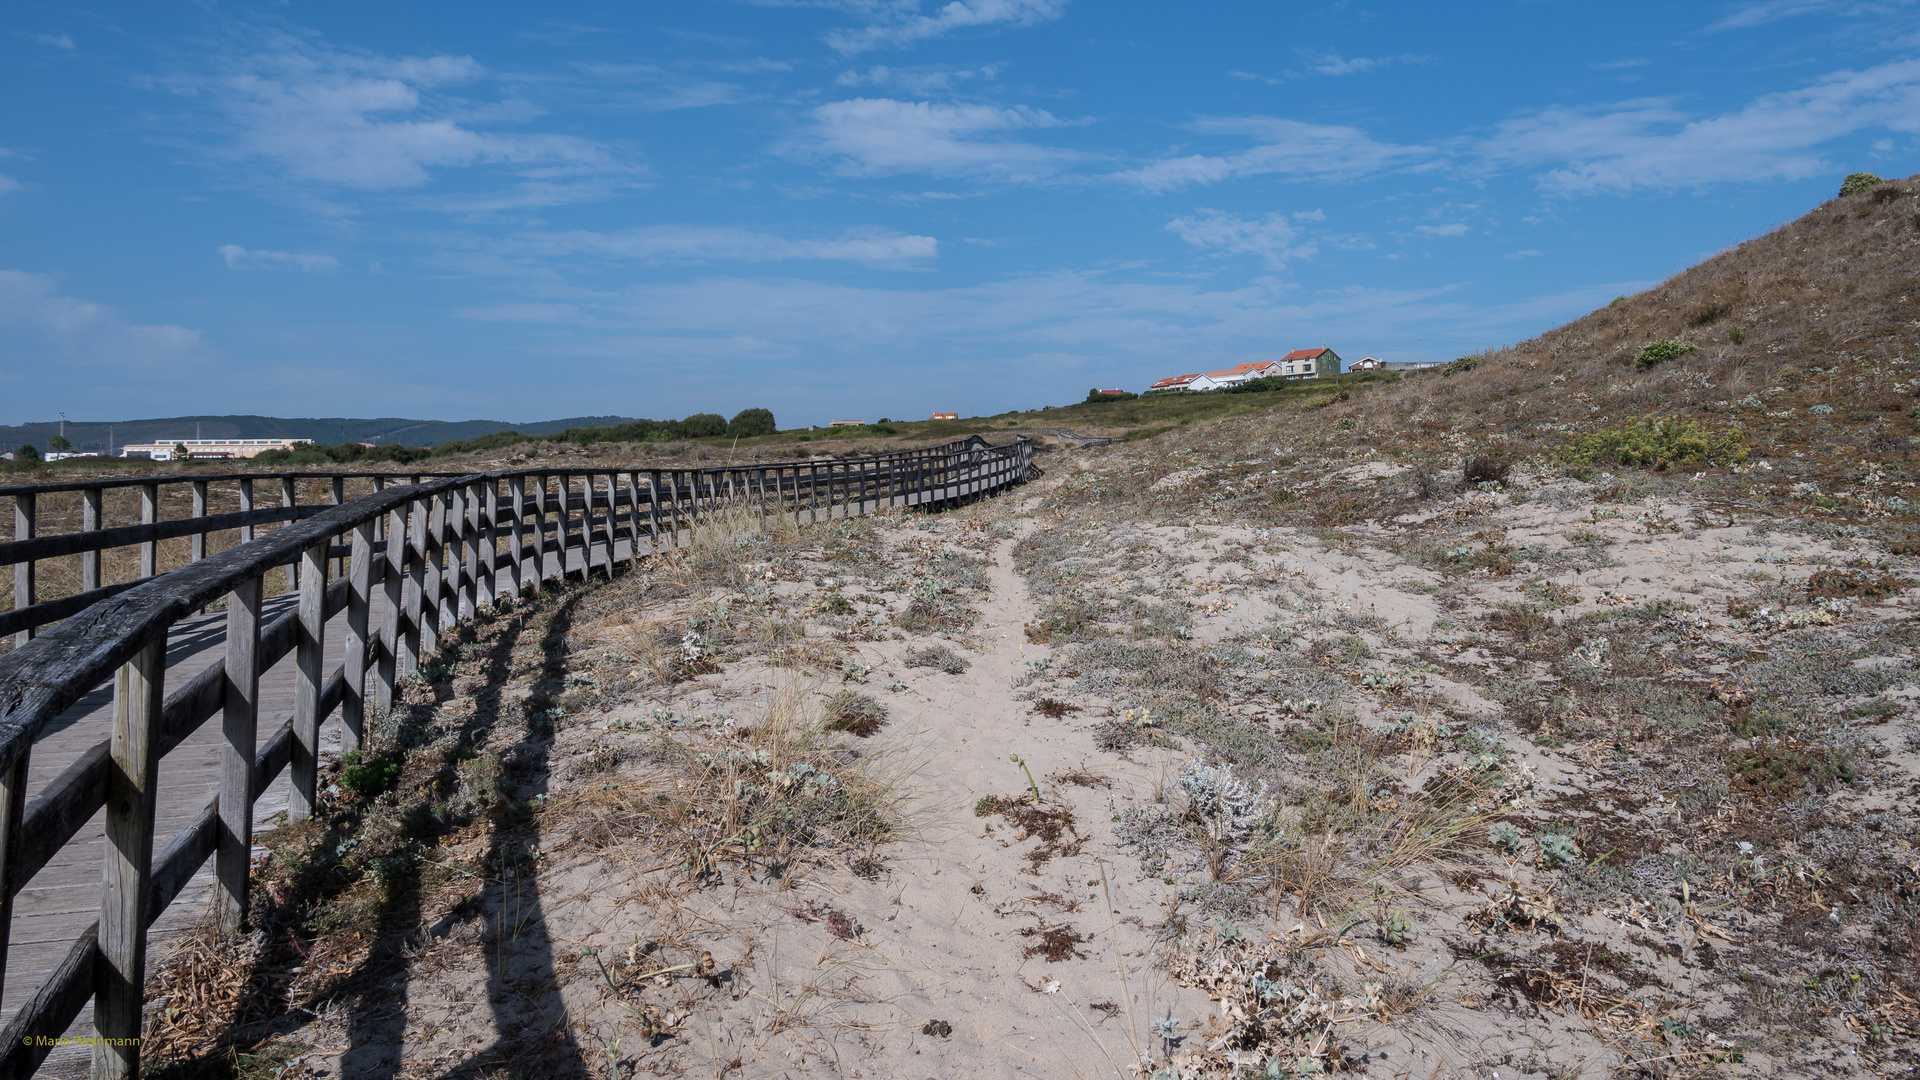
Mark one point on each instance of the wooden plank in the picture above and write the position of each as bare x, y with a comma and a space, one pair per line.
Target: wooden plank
33, 1032
239, 724
47, 547
13, 799
138, 696
309, 654
23, 515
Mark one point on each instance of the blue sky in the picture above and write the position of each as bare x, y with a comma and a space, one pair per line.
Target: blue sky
855, 208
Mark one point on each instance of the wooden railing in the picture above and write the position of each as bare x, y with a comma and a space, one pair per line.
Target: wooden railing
433, 549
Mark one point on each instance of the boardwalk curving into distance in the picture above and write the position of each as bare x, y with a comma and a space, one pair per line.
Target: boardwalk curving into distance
125, 814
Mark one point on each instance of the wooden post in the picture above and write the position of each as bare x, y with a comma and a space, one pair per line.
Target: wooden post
13, 799
287, 497
309, 651
246, 504
470, 552
239, 724
120, 974
433, 595
539, 533
23, 521
633, 518
199, 511
460, 556
353, 704
653, 508
516, 547
489, 509
611, 530
339, 496
149, 513
90, 522
415, 542
393, 582
563, 491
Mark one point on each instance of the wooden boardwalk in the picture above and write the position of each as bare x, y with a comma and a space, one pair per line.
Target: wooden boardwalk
54, 962
64, 898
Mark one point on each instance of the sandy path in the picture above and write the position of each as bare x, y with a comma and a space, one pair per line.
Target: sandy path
944, 935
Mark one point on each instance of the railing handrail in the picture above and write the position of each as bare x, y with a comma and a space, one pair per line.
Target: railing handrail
43, 678
438, 565
103, 483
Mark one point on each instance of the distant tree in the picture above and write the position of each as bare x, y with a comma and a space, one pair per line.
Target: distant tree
180, 451
27, 453
748, 423
59, 442
704, 425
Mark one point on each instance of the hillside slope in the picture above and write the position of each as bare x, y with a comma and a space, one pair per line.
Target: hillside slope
1823, 311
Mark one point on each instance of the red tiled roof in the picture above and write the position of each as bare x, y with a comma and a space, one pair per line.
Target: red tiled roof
1176, 380
1303, 354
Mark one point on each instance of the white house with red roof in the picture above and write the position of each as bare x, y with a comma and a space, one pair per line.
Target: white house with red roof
1174, 382
1235, 375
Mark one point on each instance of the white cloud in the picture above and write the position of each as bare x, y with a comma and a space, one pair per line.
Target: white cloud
1269, 237
43, 322
239, 258
916, 80
881, 136
372, 122
1747, 16
1290, 148
8, 183
1653, 144
1455, 229
1527, 254
54, 40
678, 243
906, 25
1334, 64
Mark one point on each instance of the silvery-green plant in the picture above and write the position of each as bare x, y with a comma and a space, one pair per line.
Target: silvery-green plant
1228, 809
1558, 849
1507, 838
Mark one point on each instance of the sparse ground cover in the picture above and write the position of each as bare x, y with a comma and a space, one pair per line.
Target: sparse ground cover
1401, 736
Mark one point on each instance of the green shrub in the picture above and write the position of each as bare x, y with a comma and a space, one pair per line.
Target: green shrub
1662, 351
1736, 335
1095, 397
1664, 443
749, 423
367, 776
1855, 183
1465, 363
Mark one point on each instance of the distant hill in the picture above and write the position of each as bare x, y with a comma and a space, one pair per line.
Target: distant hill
93, 435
